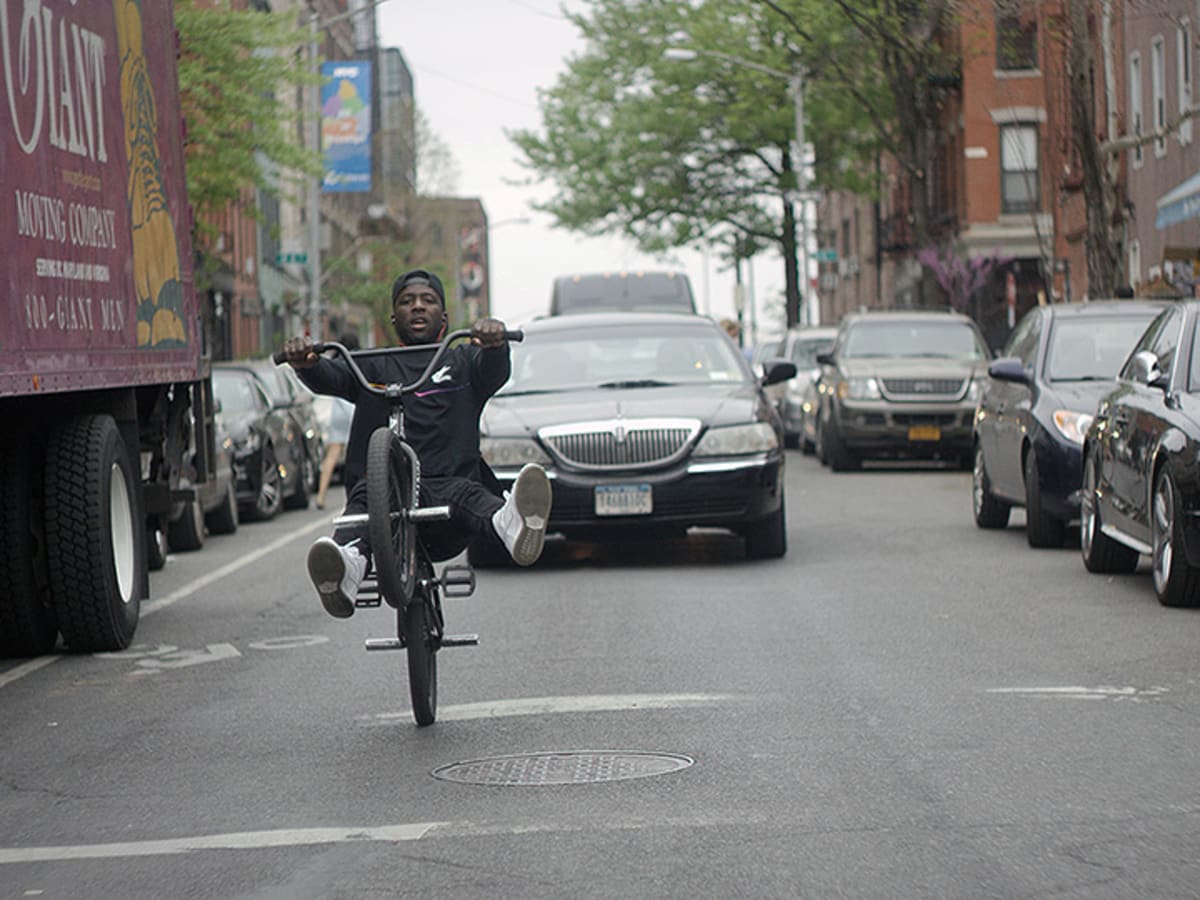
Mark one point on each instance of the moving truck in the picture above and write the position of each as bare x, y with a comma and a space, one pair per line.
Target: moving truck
106, 422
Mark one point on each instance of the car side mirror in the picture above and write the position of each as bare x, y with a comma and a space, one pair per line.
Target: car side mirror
1008, 368
777, 370
1146, 369
826, 359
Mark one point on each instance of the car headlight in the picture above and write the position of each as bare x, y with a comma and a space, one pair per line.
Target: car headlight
737, 440
1072, 425
973, 391
505, 453
859, 389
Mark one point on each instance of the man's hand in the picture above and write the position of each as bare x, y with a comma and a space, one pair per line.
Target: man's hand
488, 333
298, 351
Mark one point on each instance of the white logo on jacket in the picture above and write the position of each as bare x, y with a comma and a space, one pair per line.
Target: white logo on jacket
442, 374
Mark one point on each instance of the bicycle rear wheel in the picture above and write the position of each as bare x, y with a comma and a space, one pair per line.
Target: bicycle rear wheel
422, 660
393, 534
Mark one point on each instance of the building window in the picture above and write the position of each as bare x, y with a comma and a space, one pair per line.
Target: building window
1183, 56
1135, 105
1016, 35
1019, 183
1158, 92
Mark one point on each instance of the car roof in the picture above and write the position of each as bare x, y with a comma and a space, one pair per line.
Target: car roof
1107, 307
585, 321
816, 331
916, 315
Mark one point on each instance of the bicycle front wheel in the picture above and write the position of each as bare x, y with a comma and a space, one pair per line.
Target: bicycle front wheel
393, 534
422, 660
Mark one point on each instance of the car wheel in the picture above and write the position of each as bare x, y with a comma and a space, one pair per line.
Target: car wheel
269, 499
1175, 582
1101, 554
187, 532
1041, 528
767, 538
990, 511
837, 455
224, 519
298, 499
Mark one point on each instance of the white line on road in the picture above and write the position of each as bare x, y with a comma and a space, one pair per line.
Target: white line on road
536, 706
1074, 692
244, 840
153, 606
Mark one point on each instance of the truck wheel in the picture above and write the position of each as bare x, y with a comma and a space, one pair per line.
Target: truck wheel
187, 532
95, 534
156, 545
224, 519
27, 623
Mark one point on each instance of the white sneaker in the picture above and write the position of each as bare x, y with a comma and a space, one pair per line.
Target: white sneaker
521, 521
336, 572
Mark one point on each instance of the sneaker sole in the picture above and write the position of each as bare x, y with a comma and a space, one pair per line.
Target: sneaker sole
532, 498
326, 568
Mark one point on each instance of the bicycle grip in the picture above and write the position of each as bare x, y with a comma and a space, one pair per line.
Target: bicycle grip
516, 336
279, 357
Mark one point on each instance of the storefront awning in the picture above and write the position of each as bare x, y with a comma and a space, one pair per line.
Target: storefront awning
1179, 204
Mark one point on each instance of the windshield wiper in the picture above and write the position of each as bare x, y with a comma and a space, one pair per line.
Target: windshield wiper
636, 383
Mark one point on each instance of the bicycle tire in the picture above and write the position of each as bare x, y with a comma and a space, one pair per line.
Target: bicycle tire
392, 533
422, 660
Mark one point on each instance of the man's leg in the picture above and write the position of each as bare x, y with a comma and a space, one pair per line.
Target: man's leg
337, 564
518, 521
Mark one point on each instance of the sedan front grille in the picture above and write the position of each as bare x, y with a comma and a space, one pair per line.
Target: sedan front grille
620, 443
924, 387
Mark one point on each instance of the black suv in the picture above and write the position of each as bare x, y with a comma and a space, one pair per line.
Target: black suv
900, 385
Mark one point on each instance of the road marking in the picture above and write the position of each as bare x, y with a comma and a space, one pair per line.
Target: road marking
243, 840
149, 608
290, 643
537, 706
181, 659
1072, 692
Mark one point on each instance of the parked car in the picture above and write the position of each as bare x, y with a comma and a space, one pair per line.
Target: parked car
612, 291
292, 397
1141, 483
899, 384
798, 400
647, 424
267, 454
1036, 406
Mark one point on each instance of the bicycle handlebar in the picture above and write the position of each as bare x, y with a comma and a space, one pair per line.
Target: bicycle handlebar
442, 346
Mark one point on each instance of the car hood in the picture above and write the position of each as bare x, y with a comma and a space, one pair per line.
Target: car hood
1079, 396
911, 367
712, 404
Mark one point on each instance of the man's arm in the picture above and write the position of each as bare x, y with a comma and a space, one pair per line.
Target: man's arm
322, 376
493, 364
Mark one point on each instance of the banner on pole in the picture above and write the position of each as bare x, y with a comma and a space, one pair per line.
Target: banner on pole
346, 126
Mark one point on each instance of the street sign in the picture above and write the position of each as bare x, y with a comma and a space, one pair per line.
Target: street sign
827, 254
286, 258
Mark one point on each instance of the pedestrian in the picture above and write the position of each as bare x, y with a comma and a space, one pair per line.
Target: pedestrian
340, 414
442, 427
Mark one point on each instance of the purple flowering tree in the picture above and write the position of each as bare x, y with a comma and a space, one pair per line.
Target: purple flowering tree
958, 276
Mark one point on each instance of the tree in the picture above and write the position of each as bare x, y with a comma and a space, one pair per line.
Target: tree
958, 276
235, 68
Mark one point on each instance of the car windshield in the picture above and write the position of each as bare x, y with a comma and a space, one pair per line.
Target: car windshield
1092, 349
910, 338
805, 350
236, 392
623, 358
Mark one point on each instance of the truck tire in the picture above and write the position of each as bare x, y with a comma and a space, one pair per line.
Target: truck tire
27, 623
224, 519
187, 532
95, 534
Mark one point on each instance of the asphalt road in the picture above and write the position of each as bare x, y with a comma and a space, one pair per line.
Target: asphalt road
904, 706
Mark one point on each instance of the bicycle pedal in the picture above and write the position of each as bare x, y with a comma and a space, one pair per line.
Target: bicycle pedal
458, 581
390, 643
460, 640
361, 602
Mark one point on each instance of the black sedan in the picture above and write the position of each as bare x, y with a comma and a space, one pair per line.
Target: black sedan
267, 457
647, 425
1036, 406
1141, 483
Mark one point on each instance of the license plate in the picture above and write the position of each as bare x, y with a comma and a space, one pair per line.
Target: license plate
624, 500
924, 433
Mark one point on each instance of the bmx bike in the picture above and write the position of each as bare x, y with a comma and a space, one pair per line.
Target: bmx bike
401, 572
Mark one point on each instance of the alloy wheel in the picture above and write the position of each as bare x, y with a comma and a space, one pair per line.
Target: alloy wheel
1162, 529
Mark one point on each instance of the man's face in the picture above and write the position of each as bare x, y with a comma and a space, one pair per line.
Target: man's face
419, 315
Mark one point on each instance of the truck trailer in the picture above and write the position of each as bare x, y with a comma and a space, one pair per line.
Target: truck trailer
106, 414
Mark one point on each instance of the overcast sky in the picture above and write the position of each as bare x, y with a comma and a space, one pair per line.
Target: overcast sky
477, 66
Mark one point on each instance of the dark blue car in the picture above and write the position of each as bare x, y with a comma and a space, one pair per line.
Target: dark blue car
1035, 409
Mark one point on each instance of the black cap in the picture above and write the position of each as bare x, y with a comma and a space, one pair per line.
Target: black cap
419, 276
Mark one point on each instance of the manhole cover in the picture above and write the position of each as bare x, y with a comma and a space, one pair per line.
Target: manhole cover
568, 767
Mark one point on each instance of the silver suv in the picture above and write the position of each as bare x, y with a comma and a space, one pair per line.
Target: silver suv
900, 385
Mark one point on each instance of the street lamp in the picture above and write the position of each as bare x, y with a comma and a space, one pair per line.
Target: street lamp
315, 26
795, 82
